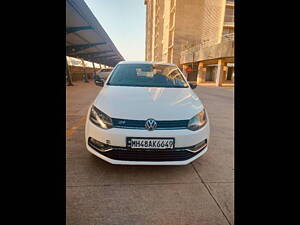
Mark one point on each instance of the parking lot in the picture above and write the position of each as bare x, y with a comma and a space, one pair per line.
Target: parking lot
198, 193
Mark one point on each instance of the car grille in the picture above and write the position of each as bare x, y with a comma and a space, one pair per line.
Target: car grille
140, 124
149, 155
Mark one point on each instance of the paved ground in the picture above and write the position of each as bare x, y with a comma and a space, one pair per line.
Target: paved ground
199, 193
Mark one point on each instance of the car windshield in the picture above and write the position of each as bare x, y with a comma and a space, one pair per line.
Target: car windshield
147, 75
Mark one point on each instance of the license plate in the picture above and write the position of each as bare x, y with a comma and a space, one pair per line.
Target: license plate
150, 143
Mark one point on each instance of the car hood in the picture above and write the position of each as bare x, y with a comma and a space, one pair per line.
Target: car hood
141, 103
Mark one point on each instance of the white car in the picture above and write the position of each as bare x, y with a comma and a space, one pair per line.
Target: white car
147, 114
103, 73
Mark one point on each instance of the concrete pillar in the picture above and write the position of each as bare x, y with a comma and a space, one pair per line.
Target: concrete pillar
201, 73
225, 72
220, 73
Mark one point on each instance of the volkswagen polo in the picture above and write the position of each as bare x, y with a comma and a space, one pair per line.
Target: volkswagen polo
147, 114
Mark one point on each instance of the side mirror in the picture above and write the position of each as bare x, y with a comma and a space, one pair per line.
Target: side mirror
99, 83
193, 86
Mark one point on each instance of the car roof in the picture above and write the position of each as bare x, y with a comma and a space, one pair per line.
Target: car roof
146, 62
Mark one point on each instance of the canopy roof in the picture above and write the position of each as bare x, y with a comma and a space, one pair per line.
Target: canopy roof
86, 38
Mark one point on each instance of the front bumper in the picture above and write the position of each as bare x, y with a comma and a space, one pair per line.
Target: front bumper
181, 155
124, 162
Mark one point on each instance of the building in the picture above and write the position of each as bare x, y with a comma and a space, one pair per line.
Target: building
193, 33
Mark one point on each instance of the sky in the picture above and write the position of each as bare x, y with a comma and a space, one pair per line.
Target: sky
124, 22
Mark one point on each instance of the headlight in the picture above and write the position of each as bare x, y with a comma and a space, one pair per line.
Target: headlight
197, 121
100, 119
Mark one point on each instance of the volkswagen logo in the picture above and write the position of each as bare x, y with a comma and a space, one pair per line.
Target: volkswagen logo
150, 124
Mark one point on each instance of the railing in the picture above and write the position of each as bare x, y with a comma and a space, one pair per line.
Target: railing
230, 3
229, 24
209, 49
201, 44
228, 37
208, 43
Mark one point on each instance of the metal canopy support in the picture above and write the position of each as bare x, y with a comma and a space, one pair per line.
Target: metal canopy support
76, 48
94, 69
92, 54
105, 56
81, 22
75, 29
84, 72
107, 60
114, 57
69, 77
110, 59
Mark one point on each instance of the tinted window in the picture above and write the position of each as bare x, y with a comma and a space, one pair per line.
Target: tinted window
147, 75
